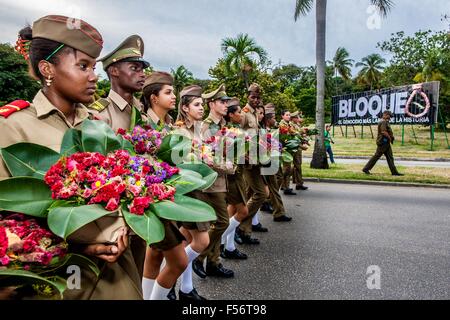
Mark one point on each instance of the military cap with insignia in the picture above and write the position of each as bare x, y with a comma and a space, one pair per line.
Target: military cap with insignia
191, 91
234, 102
217, 94
254, 87
82, 36
295, 114
130, 50
269, 109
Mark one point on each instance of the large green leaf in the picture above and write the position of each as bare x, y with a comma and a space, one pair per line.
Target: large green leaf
70, 259
25, 195
97, 136
147, 226
184, 209
208, 174
71, 142
287, 157
28, 159
63, 221
174, 148
187, 181
17, 278
136, 118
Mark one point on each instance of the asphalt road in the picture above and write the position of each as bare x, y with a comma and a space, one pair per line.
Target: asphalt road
338, 232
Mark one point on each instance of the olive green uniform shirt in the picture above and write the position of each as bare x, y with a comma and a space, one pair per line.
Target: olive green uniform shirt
41, 123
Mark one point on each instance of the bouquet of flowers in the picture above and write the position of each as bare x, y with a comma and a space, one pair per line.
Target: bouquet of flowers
144, 139
32, 255
96, 172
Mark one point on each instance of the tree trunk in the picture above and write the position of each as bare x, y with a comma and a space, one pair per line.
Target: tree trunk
319, 159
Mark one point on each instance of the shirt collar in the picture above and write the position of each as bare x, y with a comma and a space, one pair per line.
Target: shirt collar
44, 107
154, 117
118, 100
217, 120
250, 108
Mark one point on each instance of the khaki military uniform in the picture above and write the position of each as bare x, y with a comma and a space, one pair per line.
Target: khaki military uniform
287, 166
297, 176
216, 197
115, 111
383, 148
42, 123
252, 173
154, 121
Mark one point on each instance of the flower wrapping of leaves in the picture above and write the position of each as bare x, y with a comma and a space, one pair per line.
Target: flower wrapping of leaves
26, 244
145, 140
92, 178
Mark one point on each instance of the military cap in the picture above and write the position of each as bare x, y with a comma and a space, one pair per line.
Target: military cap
233, 102
269, 108
219, 93
254, 87
295, 114
130, 50
192, 90
72, 32
158, 77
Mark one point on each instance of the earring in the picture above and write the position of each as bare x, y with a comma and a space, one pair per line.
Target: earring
49, 81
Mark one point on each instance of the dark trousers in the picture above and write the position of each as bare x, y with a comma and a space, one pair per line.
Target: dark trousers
385, 150
287, 174
330, 153
273, 183
297, 176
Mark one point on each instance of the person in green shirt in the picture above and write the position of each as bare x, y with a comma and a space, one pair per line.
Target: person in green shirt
328, 142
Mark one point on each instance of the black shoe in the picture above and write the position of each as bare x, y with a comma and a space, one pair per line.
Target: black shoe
233, 255
197, 266
398, 174
289, 192
172, 295
219, 271
282, 218
191, 296
249, 240
266, 207
259, 228
301, 187
366, 171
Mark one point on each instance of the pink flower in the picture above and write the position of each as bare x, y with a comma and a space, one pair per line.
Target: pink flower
112, 205
4, 261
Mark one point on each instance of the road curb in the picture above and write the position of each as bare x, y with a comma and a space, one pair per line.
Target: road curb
379, 183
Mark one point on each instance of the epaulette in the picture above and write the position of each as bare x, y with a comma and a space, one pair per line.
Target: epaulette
99, 105
12, 107
246, 110
208, 121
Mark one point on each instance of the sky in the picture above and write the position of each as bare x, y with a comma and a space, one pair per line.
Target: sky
189, 32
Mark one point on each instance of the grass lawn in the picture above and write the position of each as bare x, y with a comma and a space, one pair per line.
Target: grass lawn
380, 173
352, 146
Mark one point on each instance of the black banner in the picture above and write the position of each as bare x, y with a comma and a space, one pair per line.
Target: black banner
412, 104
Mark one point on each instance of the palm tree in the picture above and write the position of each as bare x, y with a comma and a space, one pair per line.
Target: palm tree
342, 64
303, 7
372, 68
240, 55
181, 78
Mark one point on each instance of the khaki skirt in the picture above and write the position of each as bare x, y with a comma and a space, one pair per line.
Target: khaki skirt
236, 188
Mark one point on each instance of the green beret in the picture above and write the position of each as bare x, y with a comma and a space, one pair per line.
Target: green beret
72, 32
192, 90
130, 50
219, 93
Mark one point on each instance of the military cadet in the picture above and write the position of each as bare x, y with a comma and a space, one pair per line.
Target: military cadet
297, 176
252, 172
287, 166
188, 124
236, 196
273, 181
63, 59
385, 138
158, 98
216, 194
125, 69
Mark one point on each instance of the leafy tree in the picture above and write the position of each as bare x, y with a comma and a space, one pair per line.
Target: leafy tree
342, 64
181, 78
15, 81
287, 74
371, 71
242, 55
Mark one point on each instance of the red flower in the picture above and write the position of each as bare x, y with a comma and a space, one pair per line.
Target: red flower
112, 205
121, 131
3, 242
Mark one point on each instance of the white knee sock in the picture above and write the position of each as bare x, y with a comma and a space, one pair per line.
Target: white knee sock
186, 278
147, 287
159, 293
230, 241
255, 219
231, 227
